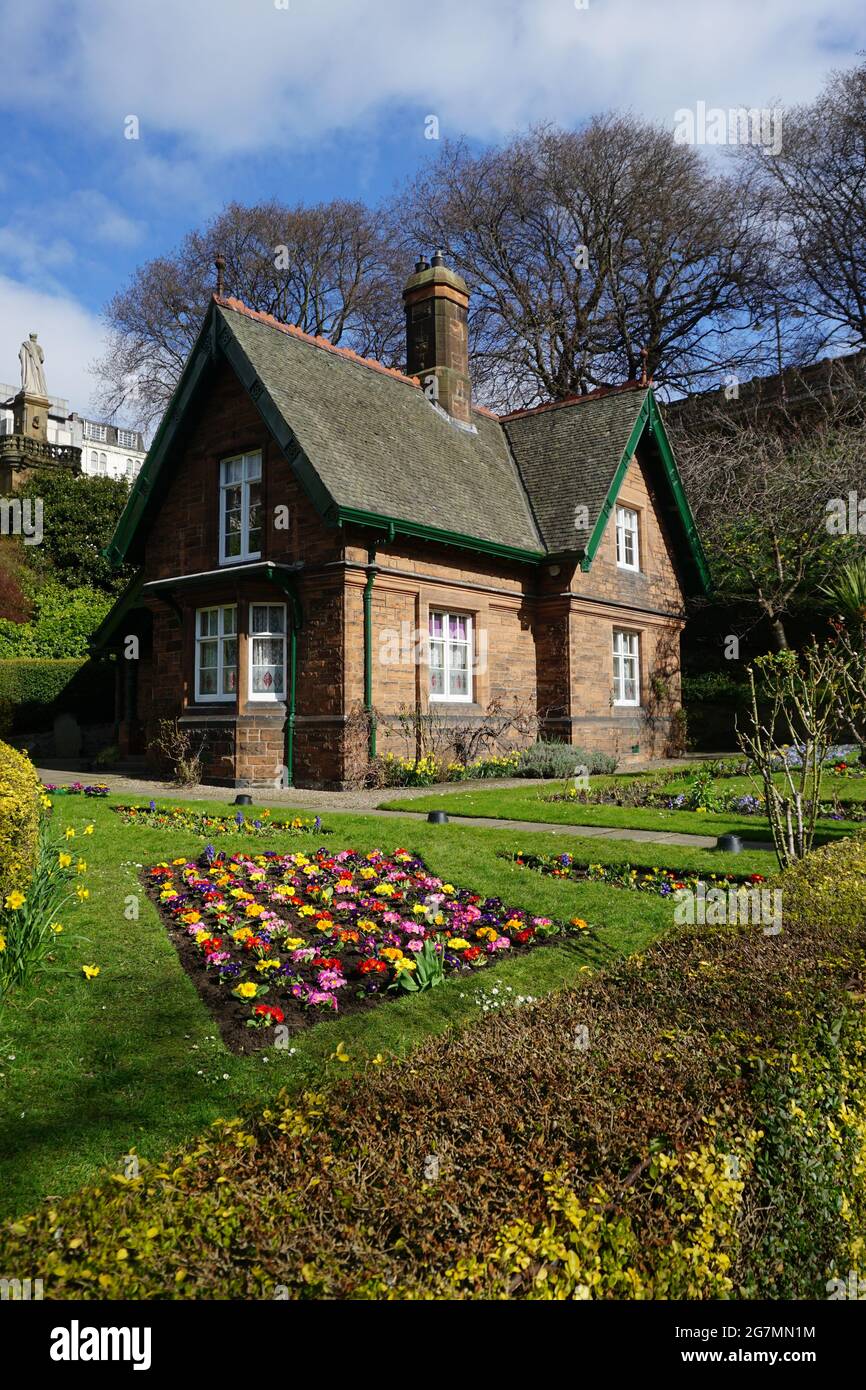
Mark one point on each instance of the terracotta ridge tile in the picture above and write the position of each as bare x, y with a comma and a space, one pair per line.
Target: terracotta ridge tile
238, 307
577, 400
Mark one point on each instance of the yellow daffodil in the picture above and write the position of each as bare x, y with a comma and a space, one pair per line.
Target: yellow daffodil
88, 829
81, 866
90, 971
82, 893
15, 900
341, 1055
2, 943
64, 860
69, 833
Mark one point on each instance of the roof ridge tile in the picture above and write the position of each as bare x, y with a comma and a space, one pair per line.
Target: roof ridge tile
575, 400
237, 306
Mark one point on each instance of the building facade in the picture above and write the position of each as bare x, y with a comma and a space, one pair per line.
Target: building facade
329, 550
105, 450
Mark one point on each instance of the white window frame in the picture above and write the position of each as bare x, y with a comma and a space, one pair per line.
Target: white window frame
245, 482
265, 697
97, 432
626, 648
627, 527
445, 697
127, 439
220, 637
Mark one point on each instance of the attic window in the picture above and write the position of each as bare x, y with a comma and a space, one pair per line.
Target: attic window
240, 508
627, 547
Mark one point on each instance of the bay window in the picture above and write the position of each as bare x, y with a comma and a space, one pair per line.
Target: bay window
216, 653
626, 668
450, 656
240, 508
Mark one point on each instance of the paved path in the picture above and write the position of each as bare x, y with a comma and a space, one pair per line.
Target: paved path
319, 802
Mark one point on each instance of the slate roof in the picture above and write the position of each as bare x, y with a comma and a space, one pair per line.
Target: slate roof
379, 445
568, 454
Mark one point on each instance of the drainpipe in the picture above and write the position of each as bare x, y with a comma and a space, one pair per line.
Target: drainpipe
290, 722
368, 645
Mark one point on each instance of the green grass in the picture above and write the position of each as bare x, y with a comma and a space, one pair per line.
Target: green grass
90, 1070
529, 804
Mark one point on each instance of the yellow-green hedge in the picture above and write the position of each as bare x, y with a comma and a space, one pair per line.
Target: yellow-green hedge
19, 818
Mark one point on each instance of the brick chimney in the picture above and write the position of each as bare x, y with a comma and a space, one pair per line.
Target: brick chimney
437, 339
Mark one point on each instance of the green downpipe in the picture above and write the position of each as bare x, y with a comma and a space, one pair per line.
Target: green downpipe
368, 645
290, 722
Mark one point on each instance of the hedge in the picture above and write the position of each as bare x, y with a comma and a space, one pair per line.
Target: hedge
33, 690
688, 1124
19, 819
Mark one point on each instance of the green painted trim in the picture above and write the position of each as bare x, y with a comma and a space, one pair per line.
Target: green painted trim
197, 364
395, 526
612, 492
682, 503
125, 602
372, 571
649, 416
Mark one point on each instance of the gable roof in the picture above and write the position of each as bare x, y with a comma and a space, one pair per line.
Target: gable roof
369, 447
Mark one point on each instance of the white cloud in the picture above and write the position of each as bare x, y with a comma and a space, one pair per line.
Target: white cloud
227, 76
71, 339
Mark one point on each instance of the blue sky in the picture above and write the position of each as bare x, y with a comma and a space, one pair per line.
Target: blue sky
314, 99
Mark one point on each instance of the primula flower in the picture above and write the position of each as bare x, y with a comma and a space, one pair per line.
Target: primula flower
247, 990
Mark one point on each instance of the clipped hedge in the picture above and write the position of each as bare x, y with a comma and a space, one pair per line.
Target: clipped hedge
33, 690
19, 819
688, 1124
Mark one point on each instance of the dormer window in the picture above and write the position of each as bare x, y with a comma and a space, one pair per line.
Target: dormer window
627, 546
240, 508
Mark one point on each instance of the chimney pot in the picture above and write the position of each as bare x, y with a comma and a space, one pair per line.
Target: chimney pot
422, 263
438, 258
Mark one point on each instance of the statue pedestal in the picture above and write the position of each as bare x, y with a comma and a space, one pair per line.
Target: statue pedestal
30, 415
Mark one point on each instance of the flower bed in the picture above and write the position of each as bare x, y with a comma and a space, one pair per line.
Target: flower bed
288, 939
76, 789
664, 882
204, 824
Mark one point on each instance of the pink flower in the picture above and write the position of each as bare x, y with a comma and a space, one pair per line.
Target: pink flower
330, 979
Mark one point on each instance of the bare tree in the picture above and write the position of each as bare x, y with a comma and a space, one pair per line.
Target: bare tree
815, 190
760, 474
583, 248
330, 269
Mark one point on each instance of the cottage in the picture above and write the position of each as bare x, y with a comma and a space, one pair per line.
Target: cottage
316, 534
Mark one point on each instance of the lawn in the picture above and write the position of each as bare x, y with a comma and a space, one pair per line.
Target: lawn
529, 804
131, 1059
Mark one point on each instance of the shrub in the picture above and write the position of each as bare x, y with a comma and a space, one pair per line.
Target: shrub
36, 689
562, 760
63, 621
20, 795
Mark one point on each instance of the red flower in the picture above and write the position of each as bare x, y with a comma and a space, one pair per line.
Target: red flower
471, 953
327, 962
526, 934
270, 1011
369, 967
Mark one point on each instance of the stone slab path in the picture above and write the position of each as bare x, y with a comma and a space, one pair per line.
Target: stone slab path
319, 803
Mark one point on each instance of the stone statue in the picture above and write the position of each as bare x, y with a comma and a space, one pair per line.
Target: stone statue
31, 358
